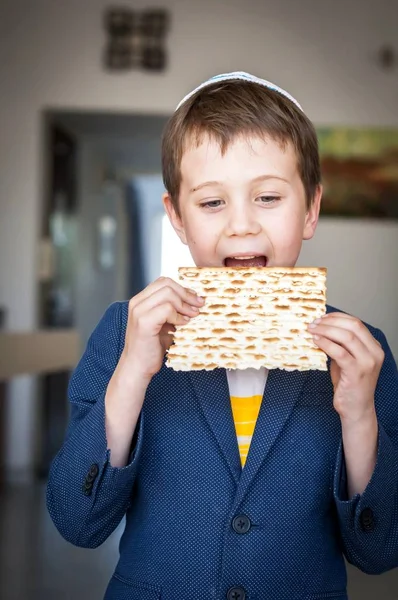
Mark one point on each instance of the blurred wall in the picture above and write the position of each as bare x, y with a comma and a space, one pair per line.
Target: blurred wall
361, 257
324, 53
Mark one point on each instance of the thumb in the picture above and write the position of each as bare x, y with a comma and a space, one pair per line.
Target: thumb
166, 336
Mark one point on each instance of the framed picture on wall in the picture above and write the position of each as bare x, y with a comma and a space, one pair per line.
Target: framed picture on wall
360, 172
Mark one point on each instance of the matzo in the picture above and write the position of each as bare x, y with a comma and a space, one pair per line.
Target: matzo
252, 317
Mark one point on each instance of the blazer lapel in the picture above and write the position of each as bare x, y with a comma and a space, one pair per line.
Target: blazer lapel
211, 388
281, 393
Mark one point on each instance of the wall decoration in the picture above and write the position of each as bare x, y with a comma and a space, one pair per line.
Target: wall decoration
359, 172
387, 58
136, 39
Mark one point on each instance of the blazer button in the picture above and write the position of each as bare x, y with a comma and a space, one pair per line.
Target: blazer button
367, 519
241, 524
94, 470
236, 593
92, 474
87, 488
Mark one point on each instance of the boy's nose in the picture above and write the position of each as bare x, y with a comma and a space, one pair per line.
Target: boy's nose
241, 223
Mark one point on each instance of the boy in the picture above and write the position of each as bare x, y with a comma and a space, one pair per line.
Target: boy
320, 479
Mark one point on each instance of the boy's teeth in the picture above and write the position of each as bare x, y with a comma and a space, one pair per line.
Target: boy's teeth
246, 261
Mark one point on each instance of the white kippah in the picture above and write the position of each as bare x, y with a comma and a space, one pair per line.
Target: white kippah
244, 77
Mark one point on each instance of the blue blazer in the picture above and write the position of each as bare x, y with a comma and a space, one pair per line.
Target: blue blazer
198, 527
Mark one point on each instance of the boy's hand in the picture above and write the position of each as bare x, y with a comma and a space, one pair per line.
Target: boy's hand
153, 313
356, 360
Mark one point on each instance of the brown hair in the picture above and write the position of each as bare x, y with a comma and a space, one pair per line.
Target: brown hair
224, 111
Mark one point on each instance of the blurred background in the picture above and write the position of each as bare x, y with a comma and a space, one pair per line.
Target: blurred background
84, 95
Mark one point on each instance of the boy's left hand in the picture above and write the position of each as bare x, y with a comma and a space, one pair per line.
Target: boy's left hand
356, 361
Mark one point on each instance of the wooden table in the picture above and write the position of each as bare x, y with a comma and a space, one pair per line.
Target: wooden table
41, 352
35, 352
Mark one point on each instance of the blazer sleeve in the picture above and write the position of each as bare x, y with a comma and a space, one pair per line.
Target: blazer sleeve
86, 496
369, 522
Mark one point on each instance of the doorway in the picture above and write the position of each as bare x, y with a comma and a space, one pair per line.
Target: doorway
103, 200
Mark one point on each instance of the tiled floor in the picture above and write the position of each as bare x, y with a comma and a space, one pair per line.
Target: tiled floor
37, 564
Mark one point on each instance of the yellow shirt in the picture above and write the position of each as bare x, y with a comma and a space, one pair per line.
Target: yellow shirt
246, 388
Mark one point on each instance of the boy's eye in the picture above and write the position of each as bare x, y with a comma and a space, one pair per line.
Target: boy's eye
268, 199
211, 204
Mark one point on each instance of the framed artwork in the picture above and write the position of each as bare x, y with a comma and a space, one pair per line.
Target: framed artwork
359, 172
136, 39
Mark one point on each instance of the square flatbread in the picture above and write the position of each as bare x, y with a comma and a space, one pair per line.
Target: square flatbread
252, 317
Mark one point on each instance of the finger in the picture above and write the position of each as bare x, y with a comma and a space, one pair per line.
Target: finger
188, 295
145, 293
354, 325
167, 313
339, 354
338, 314
152, 322
163, 295
343, 337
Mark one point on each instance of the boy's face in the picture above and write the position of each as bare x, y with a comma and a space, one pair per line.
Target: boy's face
248, 203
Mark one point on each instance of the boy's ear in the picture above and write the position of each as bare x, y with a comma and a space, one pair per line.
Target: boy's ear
174, 217
312, 215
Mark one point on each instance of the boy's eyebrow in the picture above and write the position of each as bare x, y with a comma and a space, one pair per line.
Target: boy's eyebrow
255, 180
265, 177
205, 184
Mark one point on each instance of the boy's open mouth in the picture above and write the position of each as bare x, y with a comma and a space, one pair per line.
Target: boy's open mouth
245, 261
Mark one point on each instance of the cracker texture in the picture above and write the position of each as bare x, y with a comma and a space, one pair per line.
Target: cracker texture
252, 318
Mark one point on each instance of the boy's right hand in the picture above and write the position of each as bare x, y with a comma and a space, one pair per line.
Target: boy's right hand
153, 313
